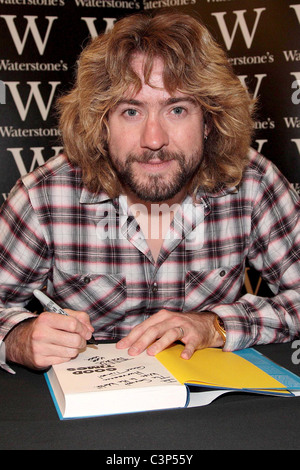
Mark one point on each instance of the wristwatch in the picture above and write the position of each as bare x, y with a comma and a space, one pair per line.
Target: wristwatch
3, 364
219, 326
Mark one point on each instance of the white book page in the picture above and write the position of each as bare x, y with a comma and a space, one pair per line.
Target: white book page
104, 367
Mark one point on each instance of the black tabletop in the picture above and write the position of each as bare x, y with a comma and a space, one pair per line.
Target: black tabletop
28, 420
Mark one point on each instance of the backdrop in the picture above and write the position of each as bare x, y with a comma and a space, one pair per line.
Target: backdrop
40, 41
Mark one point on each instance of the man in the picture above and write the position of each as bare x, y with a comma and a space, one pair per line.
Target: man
142, 229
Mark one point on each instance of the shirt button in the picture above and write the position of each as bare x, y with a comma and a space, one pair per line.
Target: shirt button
154, 287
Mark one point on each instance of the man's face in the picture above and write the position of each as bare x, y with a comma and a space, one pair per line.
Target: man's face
156, 140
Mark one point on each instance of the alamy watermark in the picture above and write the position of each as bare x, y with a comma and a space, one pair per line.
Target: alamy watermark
296, 354
2, 93
296, 94
166, 222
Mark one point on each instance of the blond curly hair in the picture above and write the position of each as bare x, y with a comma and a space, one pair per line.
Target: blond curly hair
193, 64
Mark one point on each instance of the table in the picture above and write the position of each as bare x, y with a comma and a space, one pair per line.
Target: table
28, 420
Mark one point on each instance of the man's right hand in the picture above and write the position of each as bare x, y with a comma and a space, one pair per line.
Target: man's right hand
48, 339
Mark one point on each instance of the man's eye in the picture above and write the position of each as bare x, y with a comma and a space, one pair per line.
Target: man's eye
178, 110
130, 112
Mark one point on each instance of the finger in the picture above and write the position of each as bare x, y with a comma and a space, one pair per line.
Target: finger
168, 338
188, 351
45, 338
146, 339
157, 337
47, 344
83, 317
134, 335
139, 330
61, 329
75, 322
52, 355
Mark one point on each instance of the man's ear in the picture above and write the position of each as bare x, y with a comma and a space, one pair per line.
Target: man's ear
206, 131
207, 124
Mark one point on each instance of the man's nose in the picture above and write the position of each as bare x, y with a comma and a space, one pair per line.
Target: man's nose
153, 136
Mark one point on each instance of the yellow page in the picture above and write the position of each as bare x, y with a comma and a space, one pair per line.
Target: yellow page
217, 368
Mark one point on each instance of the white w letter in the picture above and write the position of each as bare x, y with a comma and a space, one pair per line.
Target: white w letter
34, 91
240, 21
31, 26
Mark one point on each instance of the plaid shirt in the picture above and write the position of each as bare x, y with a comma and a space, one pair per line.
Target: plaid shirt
90, 254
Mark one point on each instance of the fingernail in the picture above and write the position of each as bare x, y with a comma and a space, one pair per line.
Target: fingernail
152, 350
185, 355
133, 351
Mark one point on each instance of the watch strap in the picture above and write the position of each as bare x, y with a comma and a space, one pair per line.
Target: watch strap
219, 326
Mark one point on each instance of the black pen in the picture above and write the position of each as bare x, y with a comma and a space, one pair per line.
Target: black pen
53, 307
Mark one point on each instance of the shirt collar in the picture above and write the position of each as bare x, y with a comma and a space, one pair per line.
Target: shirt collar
87, 197
219, 192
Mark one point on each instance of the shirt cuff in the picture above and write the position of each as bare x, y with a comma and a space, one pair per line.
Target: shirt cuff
11, 317
240, 332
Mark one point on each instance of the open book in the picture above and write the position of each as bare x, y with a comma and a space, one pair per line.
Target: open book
105, 380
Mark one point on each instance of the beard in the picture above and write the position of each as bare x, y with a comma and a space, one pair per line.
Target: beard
156, 187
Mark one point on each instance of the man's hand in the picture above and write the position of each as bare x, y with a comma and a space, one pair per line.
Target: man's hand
195, 330
48, 339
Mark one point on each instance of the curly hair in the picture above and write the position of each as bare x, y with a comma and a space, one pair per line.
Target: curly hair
194, 64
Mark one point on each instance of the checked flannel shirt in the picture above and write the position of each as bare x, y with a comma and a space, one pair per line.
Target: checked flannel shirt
88, 251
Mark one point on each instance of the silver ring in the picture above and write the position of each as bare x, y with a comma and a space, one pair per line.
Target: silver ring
181, 331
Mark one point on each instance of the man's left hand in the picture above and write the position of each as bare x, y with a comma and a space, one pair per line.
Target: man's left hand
194, 330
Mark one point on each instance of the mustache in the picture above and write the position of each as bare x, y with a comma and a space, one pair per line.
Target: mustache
162, 155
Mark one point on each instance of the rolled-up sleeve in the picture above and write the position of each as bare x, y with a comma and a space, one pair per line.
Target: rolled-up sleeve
23, 258
275, 253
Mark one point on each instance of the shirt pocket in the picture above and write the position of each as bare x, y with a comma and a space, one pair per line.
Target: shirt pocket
211, 286
102, 296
